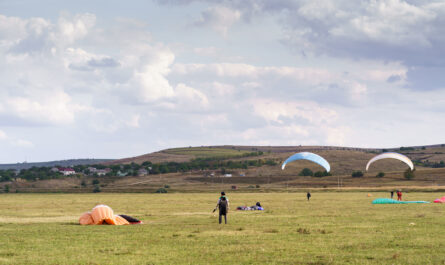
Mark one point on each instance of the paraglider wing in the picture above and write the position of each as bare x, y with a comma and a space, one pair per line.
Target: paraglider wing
397, 156
308, 156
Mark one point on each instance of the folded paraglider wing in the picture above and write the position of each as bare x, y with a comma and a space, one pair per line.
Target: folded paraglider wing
441, 200
101, 214
86, 219
393, 155
130, 219
310, 157
119, 220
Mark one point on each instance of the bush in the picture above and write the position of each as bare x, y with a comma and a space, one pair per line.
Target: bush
251, 187
306, 172
83, 183
357, 174
409, 174
95, 182
320, 174
257, 186
6, 188
96, 189
380, 175
161, 190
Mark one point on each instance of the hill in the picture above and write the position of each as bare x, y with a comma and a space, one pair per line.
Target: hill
254, 168
62, 163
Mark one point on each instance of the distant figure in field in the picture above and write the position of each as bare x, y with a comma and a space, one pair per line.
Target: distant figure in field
223, 207
392, 194
399, 195
308, 195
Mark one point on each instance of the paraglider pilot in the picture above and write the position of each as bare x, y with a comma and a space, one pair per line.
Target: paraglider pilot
223, 207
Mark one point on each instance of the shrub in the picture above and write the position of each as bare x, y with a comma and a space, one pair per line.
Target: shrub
83, 183
161, 190
97, 189
306, 172
409, 174
95, 182
257, 186
251, 187
167, 186
380, 175
6, 188
320, 174
357, 174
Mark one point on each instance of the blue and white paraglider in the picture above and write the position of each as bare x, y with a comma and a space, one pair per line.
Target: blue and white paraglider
310, 157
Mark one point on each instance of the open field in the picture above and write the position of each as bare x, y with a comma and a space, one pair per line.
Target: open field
343, 161
333, 228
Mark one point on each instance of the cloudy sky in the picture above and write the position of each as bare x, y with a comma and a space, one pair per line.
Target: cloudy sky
111, 79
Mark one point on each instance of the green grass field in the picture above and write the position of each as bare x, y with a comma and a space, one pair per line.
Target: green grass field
206, 152
333, 228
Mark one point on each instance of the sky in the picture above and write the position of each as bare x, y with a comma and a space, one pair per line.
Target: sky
113, 79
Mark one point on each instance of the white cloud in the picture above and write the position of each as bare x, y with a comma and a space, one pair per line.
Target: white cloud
219, 18
3, 135
281, 112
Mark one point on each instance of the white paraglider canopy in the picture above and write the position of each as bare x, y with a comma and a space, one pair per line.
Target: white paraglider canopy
393, 155
308, 156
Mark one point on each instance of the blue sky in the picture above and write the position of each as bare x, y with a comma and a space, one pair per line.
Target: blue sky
111, 79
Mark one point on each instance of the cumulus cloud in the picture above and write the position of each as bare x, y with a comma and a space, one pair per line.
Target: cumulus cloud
410, 32
219, 18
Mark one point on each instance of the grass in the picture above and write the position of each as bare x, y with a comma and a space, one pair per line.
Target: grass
333, 228
206, 152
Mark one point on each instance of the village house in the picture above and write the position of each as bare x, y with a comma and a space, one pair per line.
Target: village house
142, 172
103, 172
66, 171
121, 174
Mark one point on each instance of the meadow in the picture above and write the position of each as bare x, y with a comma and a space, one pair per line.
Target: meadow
333, 228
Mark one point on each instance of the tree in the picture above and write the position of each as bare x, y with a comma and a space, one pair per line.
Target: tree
320, 174
161, 190
409, 174
306, 172
96, 189
6, 188
357, 174
380, 175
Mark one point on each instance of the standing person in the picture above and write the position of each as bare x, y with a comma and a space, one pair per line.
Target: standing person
399, 195
223, 207
308, 195
392, 194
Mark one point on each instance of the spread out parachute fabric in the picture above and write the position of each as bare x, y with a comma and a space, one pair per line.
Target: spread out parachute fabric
392, 201
308, 156
102, 214
393, 155
86, 219
441, 200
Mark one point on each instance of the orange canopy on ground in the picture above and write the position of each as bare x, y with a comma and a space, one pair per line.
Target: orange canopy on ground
102, 214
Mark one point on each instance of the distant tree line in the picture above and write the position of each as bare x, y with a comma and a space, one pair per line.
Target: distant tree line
209, 163
427, 163
307, 172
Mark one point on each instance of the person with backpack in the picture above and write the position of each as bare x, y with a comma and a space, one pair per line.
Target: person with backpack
223, 207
